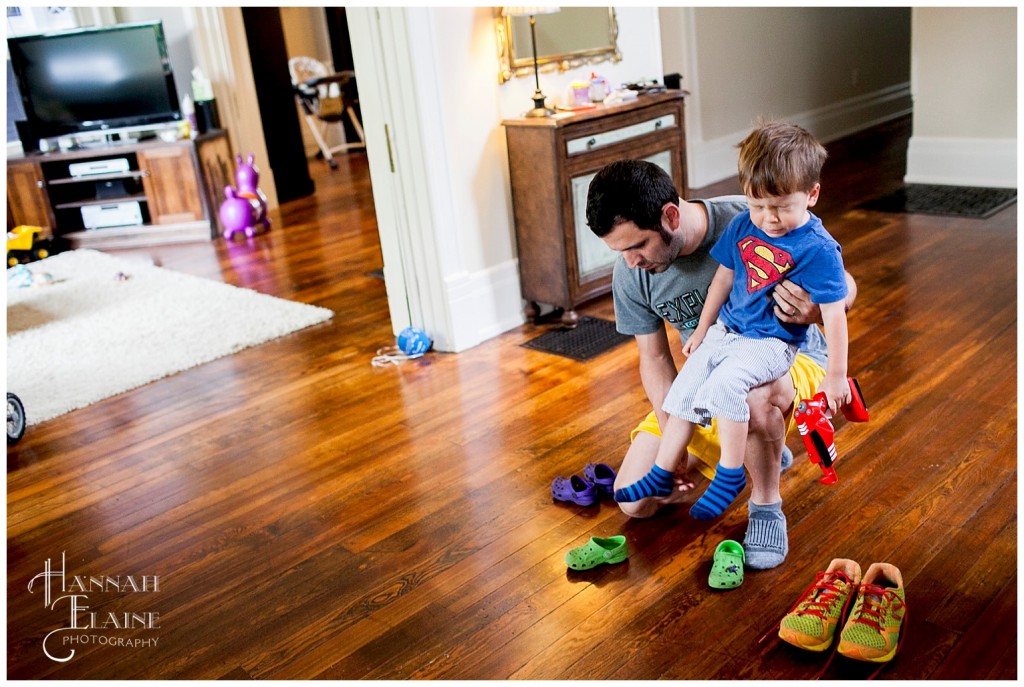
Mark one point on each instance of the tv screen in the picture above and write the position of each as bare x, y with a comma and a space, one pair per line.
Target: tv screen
112, 77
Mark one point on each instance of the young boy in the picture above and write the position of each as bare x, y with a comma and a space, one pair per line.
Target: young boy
744, 344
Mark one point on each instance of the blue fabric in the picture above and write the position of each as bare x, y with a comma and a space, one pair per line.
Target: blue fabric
808, 256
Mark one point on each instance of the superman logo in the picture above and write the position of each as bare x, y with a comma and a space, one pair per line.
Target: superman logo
765, 264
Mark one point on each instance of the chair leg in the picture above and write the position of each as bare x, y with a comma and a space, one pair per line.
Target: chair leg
357, 126
318, 136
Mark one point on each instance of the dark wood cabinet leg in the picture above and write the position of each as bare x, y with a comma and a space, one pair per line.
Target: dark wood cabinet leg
531, 311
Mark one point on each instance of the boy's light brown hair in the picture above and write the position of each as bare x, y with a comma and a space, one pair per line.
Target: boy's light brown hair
777, 159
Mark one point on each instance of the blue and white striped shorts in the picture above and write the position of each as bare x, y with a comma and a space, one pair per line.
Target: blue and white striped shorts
716, 379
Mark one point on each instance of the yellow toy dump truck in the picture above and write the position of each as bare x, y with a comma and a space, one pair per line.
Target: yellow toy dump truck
24, 245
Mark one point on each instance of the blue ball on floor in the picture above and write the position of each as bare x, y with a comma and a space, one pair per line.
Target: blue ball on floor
413, 341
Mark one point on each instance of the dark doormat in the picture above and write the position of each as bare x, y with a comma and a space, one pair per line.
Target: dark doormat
958, 201
590, 338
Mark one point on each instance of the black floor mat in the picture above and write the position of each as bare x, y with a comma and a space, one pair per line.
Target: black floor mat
590, 338
957, 201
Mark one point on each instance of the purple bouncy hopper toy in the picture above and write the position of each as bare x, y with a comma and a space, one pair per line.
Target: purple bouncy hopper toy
245, 208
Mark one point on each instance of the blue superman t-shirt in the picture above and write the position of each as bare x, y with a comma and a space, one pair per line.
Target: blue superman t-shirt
808, 256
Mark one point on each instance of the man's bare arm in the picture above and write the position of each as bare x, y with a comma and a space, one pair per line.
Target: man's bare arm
657, 369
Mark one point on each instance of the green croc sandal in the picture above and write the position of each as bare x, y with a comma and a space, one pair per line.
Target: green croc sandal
597, 551
727, 570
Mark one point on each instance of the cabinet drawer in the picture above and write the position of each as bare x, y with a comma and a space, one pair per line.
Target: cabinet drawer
607, 138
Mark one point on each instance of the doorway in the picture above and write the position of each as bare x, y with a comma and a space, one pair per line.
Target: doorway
320, 33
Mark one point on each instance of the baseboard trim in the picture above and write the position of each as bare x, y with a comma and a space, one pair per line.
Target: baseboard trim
983, 162
484, 304
715, 160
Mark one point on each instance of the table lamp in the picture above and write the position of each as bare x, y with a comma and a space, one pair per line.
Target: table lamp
538, 98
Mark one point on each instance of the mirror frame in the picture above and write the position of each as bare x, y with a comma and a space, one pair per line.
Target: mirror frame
510, 66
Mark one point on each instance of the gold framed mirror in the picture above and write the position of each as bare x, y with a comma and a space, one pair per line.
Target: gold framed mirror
569, 38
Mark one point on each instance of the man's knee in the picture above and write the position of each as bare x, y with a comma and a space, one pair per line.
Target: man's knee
769, 406
641, 510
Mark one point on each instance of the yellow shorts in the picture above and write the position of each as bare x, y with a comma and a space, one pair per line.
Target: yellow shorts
806, 375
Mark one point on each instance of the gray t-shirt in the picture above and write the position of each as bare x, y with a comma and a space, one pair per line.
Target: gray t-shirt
644, 300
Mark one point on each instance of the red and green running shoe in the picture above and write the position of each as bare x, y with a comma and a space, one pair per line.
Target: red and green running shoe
811, 623
872, 632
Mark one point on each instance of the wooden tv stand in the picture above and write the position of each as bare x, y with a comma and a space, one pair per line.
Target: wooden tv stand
178, 187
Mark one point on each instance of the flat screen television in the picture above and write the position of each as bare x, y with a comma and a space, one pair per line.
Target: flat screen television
95, 79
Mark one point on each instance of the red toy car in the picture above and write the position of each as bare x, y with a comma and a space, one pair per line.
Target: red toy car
812, 419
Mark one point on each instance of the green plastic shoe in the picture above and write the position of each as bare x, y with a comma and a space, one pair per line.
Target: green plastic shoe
727, 570
811, 623
873, 631
597, 551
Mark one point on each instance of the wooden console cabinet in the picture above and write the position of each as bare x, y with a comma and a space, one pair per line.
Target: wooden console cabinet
178, 186
551, 163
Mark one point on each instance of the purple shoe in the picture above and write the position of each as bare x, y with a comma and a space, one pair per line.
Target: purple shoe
602, 476
574, 490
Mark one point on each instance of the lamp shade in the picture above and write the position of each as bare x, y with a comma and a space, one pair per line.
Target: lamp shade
526, 11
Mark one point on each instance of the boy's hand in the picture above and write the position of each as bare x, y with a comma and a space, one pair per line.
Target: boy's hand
693, 342
838, 392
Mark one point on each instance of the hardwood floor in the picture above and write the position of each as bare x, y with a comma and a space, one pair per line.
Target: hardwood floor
307, 515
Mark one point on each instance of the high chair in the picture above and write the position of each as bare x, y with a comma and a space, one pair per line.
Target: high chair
326, 99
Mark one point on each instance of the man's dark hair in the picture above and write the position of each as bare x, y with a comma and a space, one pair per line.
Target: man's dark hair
629, 191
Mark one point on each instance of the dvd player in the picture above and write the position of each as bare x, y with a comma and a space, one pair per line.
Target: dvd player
117, 165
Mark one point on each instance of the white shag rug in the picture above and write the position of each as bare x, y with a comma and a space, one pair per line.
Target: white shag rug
91, 334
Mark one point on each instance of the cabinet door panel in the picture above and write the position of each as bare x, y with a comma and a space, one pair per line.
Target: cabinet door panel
172, 192
218, 171
27, 202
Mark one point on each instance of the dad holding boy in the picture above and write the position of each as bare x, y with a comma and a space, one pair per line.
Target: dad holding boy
662, 275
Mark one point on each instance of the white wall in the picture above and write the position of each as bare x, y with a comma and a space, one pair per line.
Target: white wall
834, 71
177, 32
965, 97
639, 44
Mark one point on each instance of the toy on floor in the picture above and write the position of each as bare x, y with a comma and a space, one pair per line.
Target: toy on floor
24, 245
244, 208
412, 342
15, 419
812, 419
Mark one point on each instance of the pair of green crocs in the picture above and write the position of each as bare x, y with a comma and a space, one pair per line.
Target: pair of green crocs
597, 551
727, 569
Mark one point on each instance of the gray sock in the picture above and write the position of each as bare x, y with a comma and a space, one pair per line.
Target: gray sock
766, 542
787, 459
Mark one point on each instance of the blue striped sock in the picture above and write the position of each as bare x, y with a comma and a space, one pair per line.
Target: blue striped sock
724, 488
657, 482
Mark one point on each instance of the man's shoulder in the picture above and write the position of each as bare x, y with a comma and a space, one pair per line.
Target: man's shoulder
733, 204
721, 211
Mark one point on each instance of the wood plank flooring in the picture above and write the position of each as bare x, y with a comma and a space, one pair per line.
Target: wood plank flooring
310, 516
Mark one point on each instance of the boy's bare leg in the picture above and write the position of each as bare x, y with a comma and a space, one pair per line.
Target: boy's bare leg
638, 462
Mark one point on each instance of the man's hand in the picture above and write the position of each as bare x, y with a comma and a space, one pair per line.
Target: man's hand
793, 304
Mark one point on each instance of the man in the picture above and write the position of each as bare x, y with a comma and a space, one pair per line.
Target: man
662, 275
